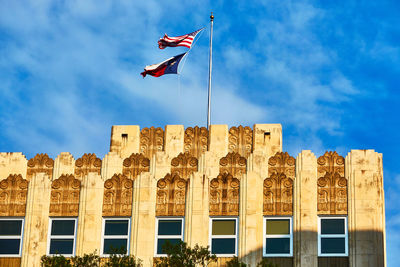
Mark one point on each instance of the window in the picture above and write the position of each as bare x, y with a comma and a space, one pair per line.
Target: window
115, 236
332, 236
62, 236
223, 236
278, 237
168, 229
11, 231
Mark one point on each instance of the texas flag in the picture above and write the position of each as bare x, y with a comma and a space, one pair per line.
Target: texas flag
169, 66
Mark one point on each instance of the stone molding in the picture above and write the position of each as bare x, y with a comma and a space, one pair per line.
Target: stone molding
135, 165
224, 195
151, 141
87, 163
40, 163
196, 141
171, 196
234, 164
241, 140
184, 165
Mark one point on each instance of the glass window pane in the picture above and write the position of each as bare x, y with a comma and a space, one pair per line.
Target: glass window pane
169, 227
9, 246
117, 246
278, 227
223, 246
333, 245
63, 227
277, 246
162, 241
116, 227
332, 226
12, 227
223, 227
61, 246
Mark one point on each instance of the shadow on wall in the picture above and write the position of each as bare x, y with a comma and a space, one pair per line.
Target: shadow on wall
365, 247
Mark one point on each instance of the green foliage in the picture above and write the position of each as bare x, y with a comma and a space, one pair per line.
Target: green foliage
90, 260
180, 255
87, 260
266, 263
54, 261
235, 262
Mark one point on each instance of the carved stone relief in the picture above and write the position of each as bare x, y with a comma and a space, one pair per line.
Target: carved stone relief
171, 196
224, 196
184, 165
332, 185
40, 163
13, 193
233, 164
64, 200
87, 163
196, 141
278, 195
278, 187
135, 165
151, 141
118, 196
241, 140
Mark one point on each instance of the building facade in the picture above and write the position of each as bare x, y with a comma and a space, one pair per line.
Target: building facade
234, 190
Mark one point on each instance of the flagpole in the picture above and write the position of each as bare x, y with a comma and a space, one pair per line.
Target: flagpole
209, 74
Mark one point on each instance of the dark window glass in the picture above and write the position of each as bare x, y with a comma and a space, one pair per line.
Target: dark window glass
223, 246
117, 246
63, 227
9, 246
223, 227
332, 226
12, 227
333, 245
116, 227
169, 227
61, 246
278, 227
162, 241
277, 246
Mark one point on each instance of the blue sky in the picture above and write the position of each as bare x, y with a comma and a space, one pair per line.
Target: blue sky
329, 72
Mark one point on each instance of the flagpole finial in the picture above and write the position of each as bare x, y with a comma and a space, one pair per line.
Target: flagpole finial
212, 16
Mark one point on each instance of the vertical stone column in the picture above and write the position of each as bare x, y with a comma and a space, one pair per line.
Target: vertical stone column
12, 163
174, 135
305, 226
36, 219
144, 218
125, 139
63, 164
251, 218
267, 138
366, 209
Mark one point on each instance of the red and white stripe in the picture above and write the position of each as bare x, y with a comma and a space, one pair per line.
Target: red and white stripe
183, 40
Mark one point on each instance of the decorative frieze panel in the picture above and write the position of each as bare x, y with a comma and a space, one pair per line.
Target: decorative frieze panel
40, 163
118, 197
13, 193
280, 163
233, 164
135, 165
64, 200
151, 141
196, 141
184, 165
241, 140
332, 185
224, 196
87, 163
278, 195
171, 196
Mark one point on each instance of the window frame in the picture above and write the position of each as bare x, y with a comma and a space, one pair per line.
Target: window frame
236, 236
345, 236
21, 236
49, 236
103, 236
290, 235
169, 218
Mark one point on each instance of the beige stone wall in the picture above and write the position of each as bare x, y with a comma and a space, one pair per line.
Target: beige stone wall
366, 221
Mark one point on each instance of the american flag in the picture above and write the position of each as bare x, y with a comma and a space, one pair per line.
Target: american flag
183, 40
